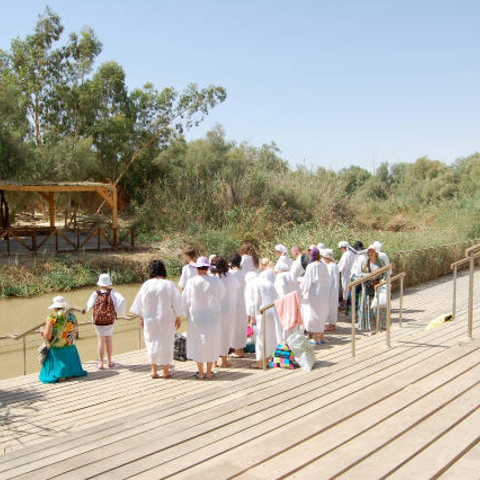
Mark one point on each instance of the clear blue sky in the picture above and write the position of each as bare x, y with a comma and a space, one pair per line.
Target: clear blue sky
333, 83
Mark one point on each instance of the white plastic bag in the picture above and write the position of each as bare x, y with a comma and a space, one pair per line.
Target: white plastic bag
302, 350
382, 298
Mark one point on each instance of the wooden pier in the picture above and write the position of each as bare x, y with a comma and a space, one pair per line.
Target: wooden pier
410, 411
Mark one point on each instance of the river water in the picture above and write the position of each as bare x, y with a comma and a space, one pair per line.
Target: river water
19, 314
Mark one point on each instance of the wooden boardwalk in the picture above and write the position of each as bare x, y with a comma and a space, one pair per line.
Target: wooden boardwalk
411, 411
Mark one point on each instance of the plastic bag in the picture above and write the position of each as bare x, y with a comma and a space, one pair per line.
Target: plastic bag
383, 300
302, 350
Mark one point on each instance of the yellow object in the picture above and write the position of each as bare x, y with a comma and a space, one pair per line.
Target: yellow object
439, 321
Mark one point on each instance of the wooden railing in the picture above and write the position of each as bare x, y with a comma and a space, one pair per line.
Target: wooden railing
35, 240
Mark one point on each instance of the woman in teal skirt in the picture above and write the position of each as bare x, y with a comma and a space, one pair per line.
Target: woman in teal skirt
62, 361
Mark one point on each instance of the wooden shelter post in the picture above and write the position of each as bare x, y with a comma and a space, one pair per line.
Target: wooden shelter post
51, 208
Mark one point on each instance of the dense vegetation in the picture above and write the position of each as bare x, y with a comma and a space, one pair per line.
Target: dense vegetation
63, 118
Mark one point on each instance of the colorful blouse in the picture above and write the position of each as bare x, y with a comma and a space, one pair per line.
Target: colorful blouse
63, 325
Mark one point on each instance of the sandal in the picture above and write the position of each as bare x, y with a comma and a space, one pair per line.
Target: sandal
155, 375
112, 365
197, 376
212, 376
235, 355
99, 366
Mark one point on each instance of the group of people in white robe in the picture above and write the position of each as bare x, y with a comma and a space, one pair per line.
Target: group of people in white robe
221, 299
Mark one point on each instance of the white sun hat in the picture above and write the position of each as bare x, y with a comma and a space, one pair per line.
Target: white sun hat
328, 253
321, 246
104, 280
282, 249
211, 258
343, 244
58, 302
377, 245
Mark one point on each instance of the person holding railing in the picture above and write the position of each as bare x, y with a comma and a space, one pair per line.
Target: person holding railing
367, 314
62, 360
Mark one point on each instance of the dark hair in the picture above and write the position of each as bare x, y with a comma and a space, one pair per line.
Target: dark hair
315, 254
236, 260
249, 249
221, 267
157, 269
358, 245
190, 251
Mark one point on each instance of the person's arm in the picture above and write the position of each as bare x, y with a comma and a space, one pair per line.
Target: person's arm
47, 331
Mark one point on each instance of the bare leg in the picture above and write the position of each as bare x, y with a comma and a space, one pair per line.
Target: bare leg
322, 337
209, 369
166, 371
154, 373
224, 363
239, 352
109, 343
101, 351
200, 370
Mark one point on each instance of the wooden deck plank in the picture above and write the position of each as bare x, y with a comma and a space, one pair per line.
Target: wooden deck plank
285, 436
466, 466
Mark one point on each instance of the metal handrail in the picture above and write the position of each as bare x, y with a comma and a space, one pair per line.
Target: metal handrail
34, 330
454, 266
471, 249
388, 270
399, 276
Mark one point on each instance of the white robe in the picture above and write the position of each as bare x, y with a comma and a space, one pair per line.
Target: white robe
258, 293
384, 258
248, 265
334, 291
345, 268
158, 302
229, 307
315, 289
188, 272
202, 299
284, 263
285, 283
240, 318
269, 275
297, 270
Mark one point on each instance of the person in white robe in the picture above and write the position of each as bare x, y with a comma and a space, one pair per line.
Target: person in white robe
315, 290
284, 262
260, 292
240, 319
266, 270
228, 307
250, 262
105, 332
202, 300
189, 270
345, 266
297, 270
334, 291
159, 306
383, 256
285, 283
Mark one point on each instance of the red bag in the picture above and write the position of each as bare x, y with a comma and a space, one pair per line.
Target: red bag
103, 309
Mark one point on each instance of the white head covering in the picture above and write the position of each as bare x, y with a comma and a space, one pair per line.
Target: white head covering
104, 280
377, 245
328, 253
58, 302
321, 246
211, 257
250, 276
372, 247
282, 249
343, 244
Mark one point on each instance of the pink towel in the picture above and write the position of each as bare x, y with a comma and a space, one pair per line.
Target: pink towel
288, 308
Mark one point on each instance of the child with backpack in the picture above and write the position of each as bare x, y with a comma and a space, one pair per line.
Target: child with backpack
106, 304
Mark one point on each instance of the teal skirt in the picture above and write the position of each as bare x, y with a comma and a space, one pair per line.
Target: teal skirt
61, 363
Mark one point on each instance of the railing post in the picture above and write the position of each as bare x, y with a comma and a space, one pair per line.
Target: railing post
24, 342
264, 334
389, 286
470, 296
454, 299
400, 306
354, 317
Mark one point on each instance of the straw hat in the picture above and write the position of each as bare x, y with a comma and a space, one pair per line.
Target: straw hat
58, 302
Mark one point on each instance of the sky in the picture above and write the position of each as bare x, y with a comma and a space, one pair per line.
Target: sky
332, 83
